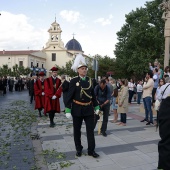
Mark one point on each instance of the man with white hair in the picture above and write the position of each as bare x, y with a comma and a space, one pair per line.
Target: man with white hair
81, 103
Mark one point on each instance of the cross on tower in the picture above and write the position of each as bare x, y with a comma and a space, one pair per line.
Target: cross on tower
73, 35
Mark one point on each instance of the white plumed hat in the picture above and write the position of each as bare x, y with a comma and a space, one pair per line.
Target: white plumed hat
79, 62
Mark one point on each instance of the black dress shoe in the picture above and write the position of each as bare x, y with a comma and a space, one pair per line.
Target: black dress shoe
52, 125
144, 120
78, 153
94, 155
104, 134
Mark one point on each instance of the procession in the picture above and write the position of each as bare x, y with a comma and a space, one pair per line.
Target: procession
62, 108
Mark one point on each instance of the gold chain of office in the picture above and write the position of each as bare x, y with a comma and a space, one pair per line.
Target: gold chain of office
83, 90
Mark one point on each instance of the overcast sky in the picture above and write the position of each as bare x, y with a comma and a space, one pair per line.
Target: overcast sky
24, 23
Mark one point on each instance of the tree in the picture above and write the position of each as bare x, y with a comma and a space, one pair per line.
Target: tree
15, 71
140, 40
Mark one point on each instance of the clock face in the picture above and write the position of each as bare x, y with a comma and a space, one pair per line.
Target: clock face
54, 38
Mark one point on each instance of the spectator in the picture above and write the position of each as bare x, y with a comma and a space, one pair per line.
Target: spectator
123, 102
5, 82
65, 88
16, 84
131, 86
158, 91
160, 71
156, 83
102, 93
139, 91
114, 96
20, 84
167, 71
164, 90
34, 78
11, 84
1, 86
147, 98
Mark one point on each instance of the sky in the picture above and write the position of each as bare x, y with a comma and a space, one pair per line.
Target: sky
94, 23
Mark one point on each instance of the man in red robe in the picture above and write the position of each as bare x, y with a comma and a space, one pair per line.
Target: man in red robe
53, 92
39, 93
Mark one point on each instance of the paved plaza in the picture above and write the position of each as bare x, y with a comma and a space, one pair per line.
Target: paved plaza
132, 147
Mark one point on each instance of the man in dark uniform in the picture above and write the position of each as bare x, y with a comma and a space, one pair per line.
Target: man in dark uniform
81, 103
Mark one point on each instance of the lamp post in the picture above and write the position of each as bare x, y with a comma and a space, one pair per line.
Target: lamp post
95, 66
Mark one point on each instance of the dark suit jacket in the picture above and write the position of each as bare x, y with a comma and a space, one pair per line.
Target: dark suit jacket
164, 132
65, 88
74, 93
32, 87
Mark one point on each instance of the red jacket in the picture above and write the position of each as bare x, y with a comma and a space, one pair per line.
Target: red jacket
39, 98
50, 91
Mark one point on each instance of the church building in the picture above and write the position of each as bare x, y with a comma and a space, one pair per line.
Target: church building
54, 53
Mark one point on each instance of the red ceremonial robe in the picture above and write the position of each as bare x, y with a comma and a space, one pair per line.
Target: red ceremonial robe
50, 91
39, 99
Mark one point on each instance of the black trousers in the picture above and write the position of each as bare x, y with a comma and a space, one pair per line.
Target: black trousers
106, 110
77, 123
123, 117
51, 116
153, 95
131, 93
31, 97
4, 91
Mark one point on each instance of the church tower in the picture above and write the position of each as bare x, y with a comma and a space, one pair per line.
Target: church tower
55, 36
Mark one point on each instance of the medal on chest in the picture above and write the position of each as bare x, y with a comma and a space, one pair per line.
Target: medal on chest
77, 84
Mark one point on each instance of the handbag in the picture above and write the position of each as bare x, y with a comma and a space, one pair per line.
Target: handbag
116, 100
157, 104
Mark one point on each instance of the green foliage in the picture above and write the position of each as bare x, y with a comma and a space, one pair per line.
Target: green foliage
67, 70
105, 64
16, 71
140, 40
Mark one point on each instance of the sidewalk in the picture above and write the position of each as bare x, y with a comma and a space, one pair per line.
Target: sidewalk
133, 147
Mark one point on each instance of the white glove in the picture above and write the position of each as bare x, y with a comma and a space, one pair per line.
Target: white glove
97, 112
43, 93
54, 97
68, 115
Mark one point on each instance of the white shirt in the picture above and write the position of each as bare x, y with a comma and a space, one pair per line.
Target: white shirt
158, 92
139, 88
53, 77
166, 93
130, 86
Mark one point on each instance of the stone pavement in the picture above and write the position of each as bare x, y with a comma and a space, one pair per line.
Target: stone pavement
133, 147
16, 117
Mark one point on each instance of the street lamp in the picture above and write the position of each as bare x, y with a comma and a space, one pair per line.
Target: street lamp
95, 66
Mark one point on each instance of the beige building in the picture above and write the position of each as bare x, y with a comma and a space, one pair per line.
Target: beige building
54, 53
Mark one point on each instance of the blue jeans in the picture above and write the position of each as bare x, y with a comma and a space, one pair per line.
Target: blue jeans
139, 97
147, 101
